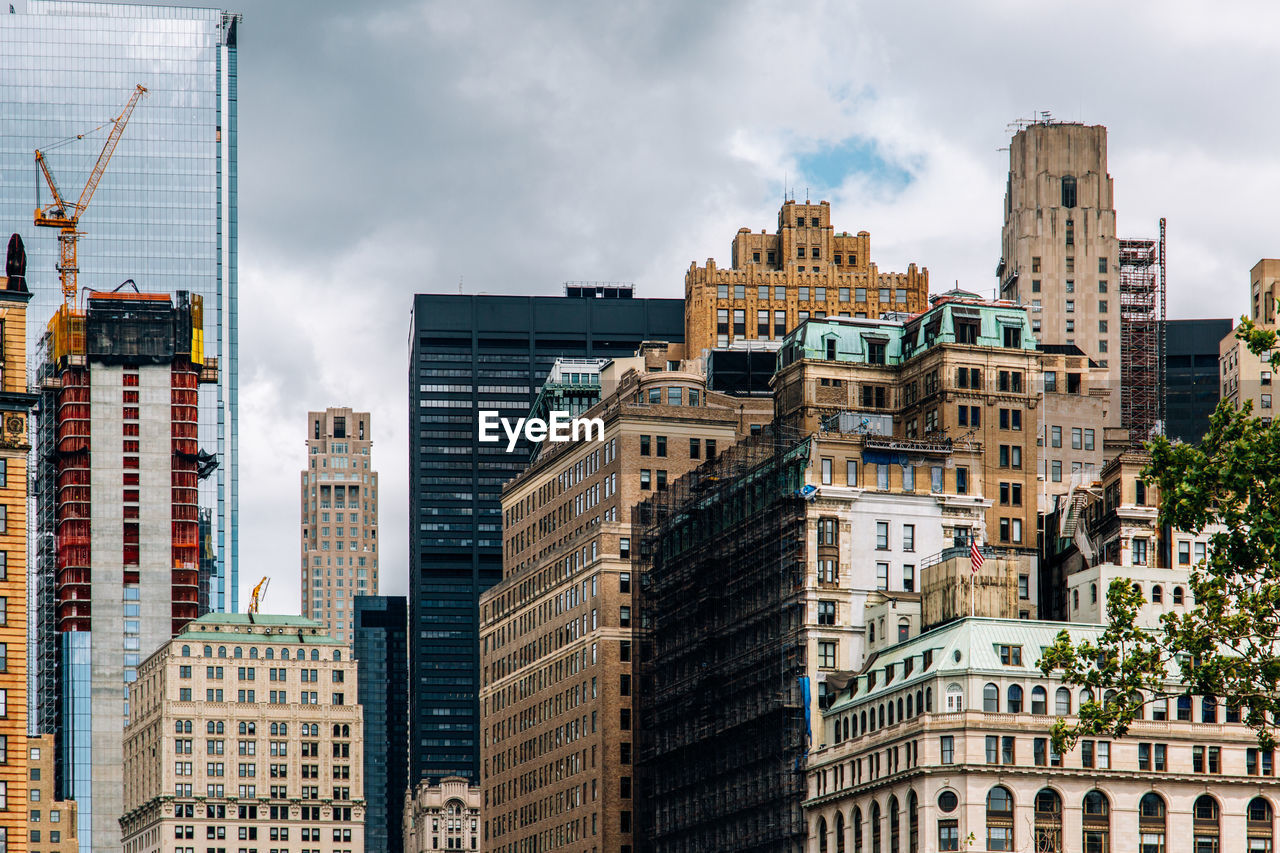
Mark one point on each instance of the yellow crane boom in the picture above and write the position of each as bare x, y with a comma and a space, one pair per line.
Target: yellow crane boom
255, 598
61, 215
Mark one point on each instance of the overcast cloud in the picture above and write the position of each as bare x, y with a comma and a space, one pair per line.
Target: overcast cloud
401, 147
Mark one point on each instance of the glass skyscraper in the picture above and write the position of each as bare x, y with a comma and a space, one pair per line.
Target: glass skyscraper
164, 214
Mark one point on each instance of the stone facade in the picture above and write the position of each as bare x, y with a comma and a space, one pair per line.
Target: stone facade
946, 739
339, 519
442, 817
245, 734
1245, 376
776, 281
1059, 251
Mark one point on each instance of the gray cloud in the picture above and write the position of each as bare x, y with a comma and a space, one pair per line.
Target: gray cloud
399, 147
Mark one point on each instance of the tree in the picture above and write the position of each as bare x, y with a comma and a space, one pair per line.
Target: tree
1228, 646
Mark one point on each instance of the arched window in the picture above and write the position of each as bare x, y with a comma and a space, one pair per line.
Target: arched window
337, 730
875, 827
1062, 702
1184, 707
891, 712
822, 835
1259, 824
880, 717
855, 818
1208, 709
1096, 823
1093, 593
222, 651
990, 697
270, 653
928, 699
846, 728
315, 654
186, 651
237, 653
284, 654
839, 830
910, 706
862, 722
253, 653
1108, 698
177, 726
904, 629
1086, 695
1039, 700
337, 655
955, 698
1151, 817
999, 819
900, 717
895, 827
208, 651
1204, 824
1075, 599
1157, 594
1048, 821
913, 823
1139, 706
1177, 595
1013, 699
919, 701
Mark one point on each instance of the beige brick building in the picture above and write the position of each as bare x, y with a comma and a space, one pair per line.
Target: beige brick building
1245, 376
804, 269
1076, 436
442, 817
339, 519
556, 632
962, 371
51, 823
245, 735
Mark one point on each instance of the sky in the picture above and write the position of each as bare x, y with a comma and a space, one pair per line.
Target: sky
391, 148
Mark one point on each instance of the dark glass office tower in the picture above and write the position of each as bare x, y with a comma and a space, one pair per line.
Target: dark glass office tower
1191, 381
382, 666
469, 354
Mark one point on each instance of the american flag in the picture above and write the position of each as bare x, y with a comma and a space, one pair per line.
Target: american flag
975, 557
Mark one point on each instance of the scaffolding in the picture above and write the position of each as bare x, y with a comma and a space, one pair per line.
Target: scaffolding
1142, 337
722, 698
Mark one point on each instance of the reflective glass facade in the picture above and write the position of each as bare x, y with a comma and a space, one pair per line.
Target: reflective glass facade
164, 214
473, 353
382, 663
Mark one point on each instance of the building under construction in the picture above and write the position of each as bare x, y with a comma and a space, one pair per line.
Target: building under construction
119, 557
723, 693
1142, 337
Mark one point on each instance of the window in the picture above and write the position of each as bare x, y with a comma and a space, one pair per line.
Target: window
1013, 699
947, 744
1096, 823
851, 472
826, 613
999, 819
645, 479
1024, 587
1062, 702
882, 533
991, 698
826, 471
1010, 655
827, 654
882, 575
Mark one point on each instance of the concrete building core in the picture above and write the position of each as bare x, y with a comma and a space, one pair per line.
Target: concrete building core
339, 519
120, 464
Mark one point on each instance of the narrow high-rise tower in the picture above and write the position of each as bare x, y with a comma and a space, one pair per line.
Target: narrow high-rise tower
15, 406
120, 465
339, 519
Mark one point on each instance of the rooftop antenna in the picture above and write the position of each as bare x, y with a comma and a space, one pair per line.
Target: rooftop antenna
459, 284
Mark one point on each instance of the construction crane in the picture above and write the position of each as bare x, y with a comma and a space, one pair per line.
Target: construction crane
255, 598
65, 216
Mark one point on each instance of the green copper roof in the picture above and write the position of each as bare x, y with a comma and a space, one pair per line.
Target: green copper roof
896, 342
260, 628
